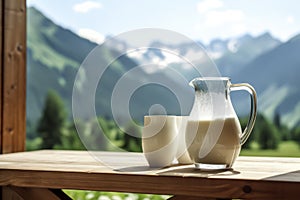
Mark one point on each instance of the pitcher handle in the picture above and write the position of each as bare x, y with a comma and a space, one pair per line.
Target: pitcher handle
253, 111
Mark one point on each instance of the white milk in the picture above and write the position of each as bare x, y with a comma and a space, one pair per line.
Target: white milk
221, 148
182, 154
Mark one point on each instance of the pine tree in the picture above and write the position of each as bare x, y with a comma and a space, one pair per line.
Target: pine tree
277, 120
268, 137
285, 133
52, 121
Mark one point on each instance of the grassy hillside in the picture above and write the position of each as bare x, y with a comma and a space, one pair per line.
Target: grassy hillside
54, 56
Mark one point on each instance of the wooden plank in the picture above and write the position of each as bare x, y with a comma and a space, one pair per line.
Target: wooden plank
184, 186
252, 177
9, 194
13, 69
246, 168
39, 193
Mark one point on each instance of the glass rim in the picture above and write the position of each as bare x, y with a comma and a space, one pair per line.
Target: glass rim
222, 78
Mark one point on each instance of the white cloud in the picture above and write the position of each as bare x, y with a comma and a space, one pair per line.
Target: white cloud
207, 5
91, 35
238, 28
290, 20
217, 18
224, 31
86, 6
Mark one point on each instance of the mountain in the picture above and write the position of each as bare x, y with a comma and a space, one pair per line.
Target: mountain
230, 55
275, 75
237, 52
54, 57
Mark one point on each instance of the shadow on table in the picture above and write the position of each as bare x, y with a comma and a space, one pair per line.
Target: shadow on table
136, 169
178, 170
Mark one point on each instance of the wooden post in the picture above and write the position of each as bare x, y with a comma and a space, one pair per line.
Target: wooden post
13, 76
13, 94
12, 80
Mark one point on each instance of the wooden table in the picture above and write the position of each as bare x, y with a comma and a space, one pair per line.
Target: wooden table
40, 173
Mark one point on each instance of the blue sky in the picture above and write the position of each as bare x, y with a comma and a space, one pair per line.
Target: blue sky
201, 20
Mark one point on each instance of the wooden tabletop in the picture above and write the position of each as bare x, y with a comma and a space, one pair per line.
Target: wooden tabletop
251, 177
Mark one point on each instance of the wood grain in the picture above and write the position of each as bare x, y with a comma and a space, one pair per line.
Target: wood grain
13, 75
251, 177
12, 80
1, 71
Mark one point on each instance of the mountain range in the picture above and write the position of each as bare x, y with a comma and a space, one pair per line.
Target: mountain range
275, 75
54, 55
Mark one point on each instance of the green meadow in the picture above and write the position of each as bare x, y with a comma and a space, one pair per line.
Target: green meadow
285, 149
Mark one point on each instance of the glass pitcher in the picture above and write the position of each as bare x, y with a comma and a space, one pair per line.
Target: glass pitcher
213, 132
